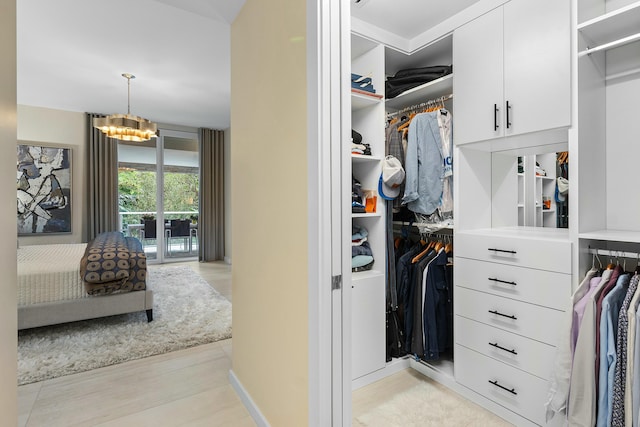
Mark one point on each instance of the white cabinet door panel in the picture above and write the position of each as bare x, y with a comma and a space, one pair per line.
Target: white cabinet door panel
537, 64
368, 330
478, 79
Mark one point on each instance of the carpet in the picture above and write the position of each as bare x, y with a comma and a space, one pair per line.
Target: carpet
187, 312
429, 404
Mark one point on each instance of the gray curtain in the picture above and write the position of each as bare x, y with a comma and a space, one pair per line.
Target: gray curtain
211, 219
102, 181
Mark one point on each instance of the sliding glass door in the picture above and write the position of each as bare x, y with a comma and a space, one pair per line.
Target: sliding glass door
159, 185
180, 192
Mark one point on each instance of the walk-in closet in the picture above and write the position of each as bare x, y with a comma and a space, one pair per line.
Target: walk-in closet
542, 97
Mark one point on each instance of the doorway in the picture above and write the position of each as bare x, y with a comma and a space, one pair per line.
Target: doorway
159, 187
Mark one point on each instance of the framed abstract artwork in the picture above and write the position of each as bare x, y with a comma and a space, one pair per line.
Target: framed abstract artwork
43, 178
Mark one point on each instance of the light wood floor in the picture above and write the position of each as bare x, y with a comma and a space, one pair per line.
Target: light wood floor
183, 388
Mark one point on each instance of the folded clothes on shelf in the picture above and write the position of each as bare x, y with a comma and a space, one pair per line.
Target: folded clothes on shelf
362, 83
409, 78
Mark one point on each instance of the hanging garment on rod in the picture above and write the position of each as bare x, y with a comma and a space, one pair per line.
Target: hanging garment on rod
429, 164
425, 298
595, 379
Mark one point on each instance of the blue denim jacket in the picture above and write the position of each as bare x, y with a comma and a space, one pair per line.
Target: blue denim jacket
424, 165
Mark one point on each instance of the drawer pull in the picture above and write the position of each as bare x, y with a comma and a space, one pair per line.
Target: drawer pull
502, 281
510, 390
503, 315
501, 250
496, 345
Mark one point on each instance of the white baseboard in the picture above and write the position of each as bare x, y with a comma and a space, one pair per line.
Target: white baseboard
396, 365
247, 401
227, 260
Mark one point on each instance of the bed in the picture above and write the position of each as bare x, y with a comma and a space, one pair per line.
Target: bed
51, 289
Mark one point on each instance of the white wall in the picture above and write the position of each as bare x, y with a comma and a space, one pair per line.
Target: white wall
623, 154
60, 129
8, 137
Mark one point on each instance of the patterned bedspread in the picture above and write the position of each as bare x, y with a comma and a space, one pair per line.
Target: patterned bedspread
113, 263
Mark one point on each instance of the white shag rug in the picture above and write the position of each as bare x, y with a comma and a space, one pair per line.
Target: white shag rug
187, 312
429, 404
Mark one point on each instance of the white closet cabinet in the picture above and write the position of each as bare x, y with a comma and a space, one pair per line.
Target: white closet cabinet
368, 287
512, 71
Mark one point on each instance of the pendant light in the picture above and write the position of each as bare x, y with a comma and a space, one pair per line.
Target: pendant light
126, 127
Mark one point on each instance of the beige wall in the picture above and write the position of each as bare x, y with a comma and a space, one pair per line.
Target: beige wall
269, 205
227, 196
59, 129
8, 137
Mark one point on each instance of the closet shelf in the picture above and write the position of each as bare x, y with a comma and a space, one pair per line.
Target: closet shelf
366, 215
612, 235
360, 275
612, 29
431, 90
361, 99
359, 158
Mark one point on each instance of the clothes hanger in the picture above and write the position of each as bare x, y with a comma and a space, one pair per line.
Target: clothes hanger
423, 253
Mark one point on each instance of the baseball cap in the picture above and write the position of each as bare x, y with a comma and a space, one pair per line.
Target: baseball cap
390, 179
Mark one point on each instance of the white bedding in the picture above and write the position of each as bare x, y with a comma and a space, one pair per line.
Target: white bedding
48, 273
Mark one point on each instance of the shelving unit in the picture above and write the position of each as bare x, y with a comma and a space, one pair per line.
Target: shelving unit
613, 29
368, 287
543, 187
608, 74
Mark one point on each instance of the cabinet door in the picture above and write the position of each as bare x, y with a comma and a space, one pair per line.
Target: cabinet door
537, 65
368, 331
478, 79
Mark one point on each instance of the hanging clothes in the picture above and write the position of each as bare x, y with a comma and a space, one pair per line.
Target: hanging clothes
596, 381
559, 383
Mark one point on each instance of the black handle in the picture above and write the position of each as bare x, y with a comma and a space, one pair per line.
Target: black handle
508, 119
502, 348
501, 250
510, 390
503, 315
502, 281
495, 117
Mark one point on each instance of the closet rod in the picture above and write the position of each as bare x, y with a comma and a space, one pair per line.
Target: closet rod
610, 45
614, 254
422, 105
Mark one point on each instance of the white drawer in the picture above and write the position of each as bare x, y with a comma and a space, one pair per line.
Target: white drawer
543, 254
529, 320
540, 287
520, 352
518, 391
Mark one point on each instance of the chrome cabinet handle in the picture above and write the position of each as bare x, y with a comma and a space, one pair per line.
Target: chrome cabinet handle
502, 281
510, 390
503, 315
496, 345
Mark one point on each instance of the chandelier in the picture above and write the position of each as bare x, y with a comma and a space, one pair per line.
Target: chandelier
126, 127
